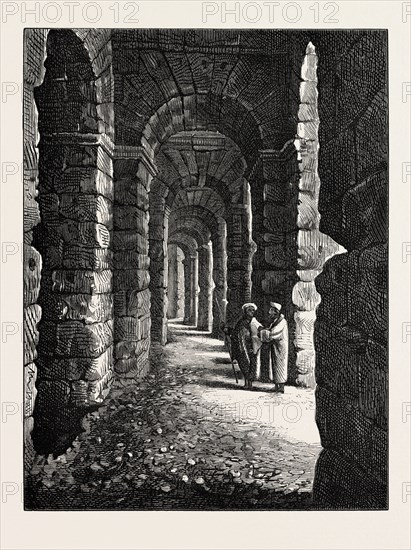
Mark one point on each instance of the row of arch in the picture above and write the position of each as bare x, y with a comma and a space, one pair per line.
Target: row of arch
119, 182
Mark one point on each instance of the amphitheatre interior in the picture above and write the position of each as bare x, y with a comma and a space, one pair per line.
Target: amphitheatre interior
177, 174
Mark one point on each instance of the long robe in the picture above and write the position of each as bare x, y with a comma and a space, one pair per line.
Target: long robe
245, 347
274, 352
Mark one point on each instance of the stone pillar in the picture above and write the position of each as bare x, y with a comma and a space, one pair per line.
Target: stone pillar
175, 282
180, 280
133, 172
239, 254
75, 351
194, 290
187, 290
205, 312
220, 279
314, 248
158, 232
351, 330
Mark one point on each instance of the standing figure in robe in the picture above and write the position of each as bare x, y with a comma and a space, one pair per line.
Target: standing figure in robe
274, 353
245, 345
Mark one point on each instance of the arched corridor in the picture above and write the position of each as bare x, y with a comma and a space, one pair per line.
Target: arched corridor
187, 438
180, 174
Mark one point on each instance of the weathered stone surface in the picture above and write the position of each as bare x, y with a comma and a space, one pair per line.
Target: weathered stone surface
30, 391
304, 329
364, 209
130, 240
158, 251
32, 316
340, 483
159, 329
309, 180
131, 348
133, 303
131, 279
308, 275
86, 234
82, 282
87, 368
31, 275
145, 326
135, 367
75, 339
373, 384
344, 429
128, 328
308, 92
305, 296
90, 308
99, 389
308, 216
314, 248
87, 208
332, 287
305, 365
28, 428
308, 130
131, 217
52, 396
280, 251
88, 181
80, 257
130, 259
367, 291
337, 362
131, 191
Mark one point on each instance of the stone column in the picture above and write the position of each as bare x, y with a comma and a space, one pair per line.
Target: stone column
158, 267
239, 254
220, 279
205, 261
75, 351
194, 290
180, 281
187, 290
133, 172
174, 282
314, 247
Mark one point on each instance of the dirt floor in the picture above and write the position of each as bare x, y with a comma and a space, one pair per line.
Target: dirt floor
187, 438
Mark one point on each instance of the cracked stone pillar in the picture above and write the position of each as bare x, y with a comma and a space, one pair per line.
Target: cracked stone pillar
133, 172
75, 351
239, 255
194, 290
175, 282
220, 279
314, 247
205, 268
187, 290
158, 232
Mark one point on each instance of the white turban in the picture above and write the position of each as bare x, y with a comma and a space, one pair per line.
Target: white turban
276, 305
249, 304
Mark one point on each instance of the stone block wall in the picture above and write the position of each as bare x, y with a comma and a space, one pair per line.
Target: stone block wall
351, 332
34, 54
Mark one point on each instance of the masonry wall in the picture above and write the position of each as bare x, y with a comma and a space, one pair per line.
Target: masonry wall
74, 237
351, 332
33, 55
